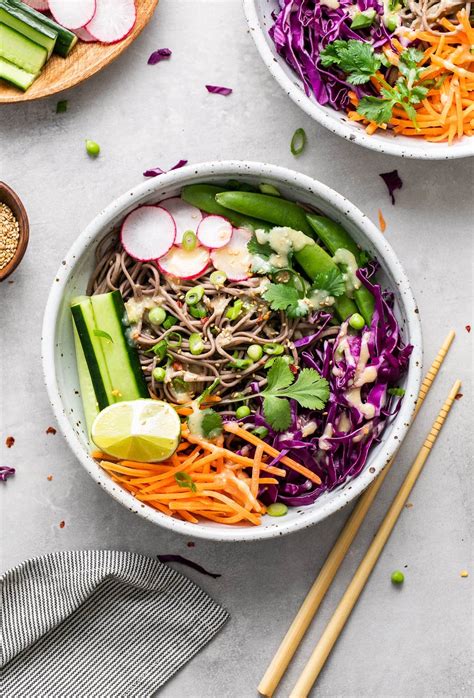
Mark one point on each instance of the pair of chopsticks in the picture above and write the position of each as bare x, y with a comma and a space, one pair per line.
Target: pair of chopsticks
310, 605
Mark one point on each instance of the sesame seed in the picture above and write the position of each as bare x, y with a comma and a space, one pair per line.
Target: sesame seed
9, 235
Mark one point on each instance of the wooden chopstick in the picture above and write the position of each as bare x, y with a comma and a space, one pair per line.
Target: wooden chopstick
336, 624
310, 605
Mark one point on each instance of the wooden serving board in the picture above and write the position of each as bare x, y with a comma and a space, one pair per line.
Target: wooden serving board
83, 61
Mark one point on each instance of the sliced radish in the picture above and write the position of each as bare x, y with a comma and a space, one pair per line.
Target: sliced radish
214, 231
234, 259
184, 264
72, 14
83, 35
113, 20
185, 216
41, 5
148, 233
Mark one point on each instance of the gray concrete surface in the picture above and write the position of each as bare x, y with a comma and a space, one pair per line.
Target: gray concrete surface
414, 641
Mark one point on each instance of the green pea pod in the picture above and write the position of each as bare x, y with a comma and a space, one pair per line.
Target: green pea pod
269, 208
204, 197
335, 237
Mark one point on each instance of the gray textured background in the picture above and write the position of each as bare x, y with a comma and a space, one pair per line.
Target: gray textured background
415, 641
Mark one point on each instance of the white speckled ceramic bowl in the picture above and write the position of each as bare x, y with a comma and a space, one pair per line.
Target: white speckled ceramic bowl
259, 19
58, 346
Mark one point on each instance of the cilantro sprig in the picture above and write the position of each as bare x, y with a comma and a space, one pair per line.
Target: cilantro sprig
310, 390
297, 303
185, 480
355, 58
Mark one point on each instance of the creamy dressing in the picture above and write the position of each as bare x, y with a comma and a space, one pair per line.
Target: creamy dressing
363, 373
332, 4
319, 298
353, 397
137, 308
344, 423
324, 445
351, 281
308, 429
282, 241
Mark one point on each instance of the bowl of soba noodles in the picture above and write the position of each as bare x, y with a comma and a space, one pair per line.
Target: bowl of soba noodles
232, 350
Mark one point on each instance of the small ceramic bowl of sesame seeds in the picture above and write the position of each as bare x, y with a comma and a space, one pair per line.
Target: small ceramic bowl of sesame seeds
14, 231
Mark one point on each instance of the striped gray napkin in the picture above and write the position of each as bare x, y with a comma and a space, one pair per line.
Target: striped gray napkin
100, 623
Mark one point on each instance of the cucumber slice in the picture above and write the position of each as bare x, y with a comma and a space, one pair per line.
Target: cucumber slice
66, 39
111, 357
28, 26
18, 77
21, 51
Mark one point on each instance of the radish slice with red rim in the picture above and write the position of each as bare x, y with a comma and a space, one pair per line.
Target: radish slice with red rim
184, 264
148, 233
83, 35
185, 216
72, 14
234, 259
113, 20
214, 231
41, 5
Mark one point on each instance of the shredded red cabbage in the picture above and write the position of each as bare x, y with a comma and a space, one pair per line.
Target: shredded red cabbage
159, 55
156, 171
393, 181
360, 368
6, 472
303, 28
219, 90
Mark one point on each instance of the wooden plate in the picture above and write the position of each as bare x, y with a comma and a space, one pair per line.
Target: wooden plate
85, 60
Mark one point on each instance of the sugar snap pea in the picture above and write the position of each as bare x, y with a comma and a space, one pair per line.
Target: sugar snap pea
203, 196
334, 236
269, 208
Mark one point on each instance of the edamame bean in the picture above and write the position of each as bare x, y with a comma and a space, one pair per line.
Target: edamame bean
93, 148
397, 577
255, 352
242, 411
356, 321
156, 316
159, 374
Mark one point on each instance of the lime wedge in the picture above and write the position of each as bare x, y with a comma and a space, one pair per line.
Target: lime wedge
143, 430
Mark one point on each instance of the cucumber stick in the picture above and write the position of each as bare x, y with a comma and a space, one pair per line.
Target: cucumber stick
17, 76
66, 40
89, 400
112, 360
21, 51
28, 26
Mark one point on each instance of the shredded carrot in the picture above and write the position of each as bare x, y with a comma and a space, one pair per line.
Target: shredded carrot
448, 62
382, 223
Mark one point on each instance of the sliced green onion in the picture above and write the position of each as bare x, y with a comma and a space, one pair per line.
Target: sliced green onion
160, 349
159, 374
273, 349
156, 316
198, 311
397, 392
234, 310
61, 106
218, 278
242, 411
287, 359
189, 241
170, 322
364, 19
240, 363
255, 352
194, 295
261, 432
196, 343
174, 339
298, 141
269, 189
277, 509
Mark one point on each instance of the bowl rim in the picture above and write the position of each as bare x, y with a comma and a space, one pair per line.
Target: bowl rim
294, 89
139, 195
19, 211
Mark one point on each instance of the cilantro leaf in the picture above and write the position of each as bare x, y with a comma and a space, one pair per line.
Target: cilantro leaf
309, 390
331, 281
256, 248
355, 58
281, 296
277, 412
104, 335
364, 258
376, 109
185, 480
211, 424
